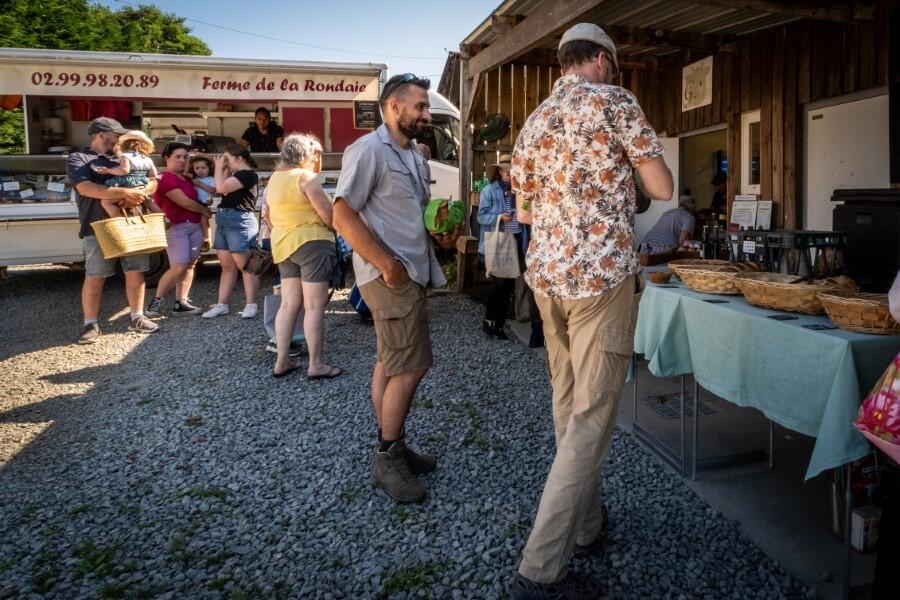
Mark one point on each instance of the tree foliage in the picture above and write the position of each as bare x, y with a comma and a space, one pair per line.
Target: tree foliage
80, 25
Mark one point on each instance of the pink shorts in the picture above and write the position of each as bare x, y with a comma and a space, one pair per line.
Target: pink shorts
184, 241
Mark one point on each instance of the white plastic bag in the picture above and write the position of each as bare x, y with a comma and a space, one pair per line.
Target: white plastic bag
501, 259
894, 298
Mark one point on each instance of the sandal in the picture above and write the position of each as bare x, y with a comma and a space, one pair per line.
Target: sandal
330, 374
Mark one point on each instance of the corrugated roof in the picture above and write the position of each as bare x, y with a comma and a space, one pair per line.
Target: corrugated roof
682, 16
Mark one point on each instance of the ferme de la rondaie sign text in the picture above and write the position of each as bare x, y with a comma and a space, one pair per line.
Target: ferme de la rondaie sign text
143, 82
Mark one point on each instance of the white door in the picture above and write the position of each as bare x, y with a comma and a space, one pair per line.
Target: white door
846, 147
644, 221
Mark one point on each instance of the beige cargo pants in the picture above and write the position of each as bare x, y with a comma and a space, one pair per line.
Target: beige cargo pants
589, 346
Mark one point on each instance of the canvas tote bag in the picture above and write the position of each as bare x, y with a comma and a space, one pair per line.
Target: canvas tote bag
500, 256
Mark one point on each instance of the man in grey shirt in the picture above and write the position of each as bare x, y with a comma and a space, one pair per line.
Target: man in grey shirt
381, 196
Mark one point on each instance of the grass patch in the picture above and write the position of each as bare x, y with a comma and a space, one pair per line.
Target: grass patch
81, 508
218, 584
43, 580
424, 402
401, 513
96, 560
412, 578
199, 491
349, 494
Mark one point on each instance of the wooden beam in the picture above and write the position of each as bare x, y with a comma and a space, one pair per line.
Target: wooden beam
470, 50
503, 23
661, 38
840, 11
550, 18
547, 57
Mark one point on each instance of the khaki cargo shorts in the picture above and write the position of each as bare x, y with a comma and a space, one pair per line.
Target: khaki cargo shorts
401, 326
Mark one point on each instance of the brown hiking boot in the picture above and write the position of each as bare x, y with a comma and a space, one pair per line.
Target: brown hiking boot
391, 473
419, 464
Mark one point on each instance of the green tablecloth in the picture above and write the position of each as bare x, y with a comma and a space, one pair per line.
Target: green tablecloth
808, 381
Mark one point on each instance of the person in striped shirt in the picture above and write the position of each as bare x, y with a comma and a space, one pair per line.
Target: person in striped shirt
673, 229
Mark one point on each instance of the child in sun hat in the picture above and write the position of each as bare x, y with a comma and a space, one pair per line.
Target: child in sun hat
135, 169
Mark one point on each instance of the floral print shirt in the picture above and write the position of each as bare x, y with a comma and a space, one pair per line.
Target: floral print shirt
573, 164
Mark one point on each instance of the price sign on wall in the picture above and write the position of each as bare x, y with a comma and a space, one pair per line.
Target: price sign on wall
194, 83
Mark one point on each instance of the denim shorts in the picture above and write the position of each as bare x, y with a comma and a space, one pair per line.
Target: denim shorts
236, 230
184, 241
95, 265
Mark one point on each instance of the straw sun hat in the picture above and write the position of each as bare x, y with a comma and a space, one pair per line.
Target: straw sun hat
505, 162
138, 135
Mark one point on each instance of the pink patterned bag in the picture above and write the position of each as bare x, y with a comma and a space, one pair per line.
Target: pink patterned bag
879, 415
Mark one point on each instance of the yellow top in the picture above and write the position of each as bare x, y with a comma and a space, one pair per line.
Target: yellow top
294, 220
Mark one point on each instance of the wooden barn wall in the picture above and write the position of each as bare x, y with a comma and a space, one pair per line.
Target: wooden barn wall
514, 90
775, 71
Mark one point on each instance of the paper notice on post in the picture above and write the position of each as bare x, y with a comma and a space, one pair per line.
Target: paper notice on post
764, 214
55, 186
743, 213
10, 186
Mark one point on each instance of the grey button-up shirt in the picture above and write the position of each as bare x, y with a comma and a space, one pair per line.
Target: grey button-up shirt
376, 182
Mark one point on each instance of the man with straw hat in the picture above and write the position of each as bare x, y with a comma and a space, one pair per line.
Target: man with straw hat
572, 171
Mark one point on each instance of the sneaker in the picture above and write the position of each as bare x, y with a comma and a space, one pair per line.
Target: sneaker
90, 334
571, 587
391, 473
250, 311
216, 311
419, 464
295, 350
206, 246
596, 547
154, 309
184, 308
143, 325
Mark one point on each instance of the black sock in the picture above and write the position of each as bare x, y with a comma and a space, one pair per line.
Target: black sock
386, 444
379, 435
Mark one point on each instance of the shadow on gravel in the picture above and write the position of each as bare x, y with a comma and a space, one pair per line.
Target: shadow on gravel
186, 471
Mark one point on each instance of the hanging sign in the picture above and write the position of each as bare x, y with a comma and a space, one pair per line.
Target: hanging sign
366, 114
136, 81
696, 84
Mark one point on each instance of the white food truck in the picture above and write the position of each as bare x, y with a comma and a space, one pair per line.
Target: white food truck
208, 101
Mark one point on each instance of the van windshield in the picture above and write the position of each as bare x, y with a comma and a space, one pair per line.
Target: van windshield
442, 138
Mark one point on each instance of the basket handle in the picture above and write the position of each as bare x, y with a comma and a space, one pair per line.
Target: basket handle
137, 212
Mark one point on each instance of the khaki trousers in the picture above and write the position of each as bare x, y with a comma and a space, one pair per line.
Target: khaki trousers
589, 346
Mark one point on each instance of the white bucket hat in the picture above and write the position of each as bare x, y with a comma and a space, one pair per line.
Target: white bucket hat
591, 33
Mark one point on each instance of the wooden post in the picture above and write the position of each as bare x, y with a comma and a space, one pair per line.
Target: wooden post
894, 97
465, 142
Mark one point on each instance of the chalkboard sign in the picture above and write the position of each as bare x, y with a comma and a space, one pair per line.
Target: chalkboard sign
366, 114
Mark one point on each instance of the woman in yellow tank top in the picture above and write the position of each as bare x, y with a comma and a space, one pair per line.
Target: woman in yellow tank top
303, 246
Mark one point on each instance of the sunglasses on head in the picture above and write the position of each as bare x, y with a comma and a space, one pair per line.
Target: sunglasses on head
394, 83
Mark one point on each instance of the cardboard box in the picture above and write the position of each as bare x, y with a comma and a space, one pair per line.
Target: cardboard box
865, 524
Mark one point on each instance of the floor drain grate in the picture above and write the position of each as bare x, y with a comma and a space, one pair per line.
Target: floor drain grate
667, 406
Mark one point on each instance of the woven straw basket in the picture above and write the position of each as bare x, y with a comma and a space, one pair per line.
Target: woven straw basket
864, 313
130, 235
709, 280
783, 292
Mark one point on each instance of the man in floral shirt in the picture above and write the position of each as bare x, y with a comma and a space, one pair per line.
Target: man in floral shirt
573, 173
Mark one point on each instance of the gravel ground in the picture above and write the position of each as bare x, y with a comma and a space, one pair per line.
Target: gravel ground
174, 466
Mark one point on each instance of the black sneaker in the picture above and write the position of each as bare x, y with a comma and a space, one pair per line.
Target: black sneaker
596, 547
295, 350
143, 325
90, 334
184, 307
154, 309
572, 587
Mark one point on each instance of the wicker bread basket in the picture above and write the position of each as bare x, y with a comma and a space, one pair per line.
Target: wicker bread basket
711, 280
129, 235
784, 292
864, 313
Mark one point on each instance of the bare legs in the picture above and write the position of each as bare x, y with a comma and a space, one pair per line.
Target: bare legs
92, 293
179, 277
232, 262
391, 399
313, 297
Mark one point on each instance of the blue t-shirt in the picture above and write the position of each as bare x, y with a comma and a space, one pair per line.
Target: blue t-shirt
79, 168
